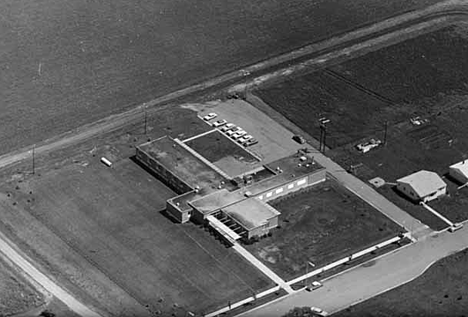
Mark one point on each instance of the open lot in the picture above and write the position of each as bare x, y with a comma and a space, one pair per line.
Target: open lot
422, 76
65, 63
440, 291
320, 224
17, 295
113, 218
223, 152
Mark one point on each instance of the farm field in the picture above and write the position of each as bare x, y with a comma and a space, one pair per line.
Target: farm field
321, 224
113, 217
224, 153
440, 291
66, 63
422, 76
17, 295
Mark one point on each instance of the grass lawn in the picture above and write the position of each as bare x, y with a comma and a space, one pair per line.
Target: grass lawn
17, 295
112, 218
224, 153
440, 291
321, 224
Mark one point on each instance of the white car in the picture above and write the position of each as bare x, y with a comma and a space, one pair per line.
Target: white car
219, 123
238, 134
210, 116
314, 285
250, 142
318, 311
367, 146
228, 127
231, 132
245, 138
418, 120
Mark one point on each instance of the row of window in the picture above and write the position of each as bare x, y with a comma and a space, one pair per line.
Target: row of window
281, 189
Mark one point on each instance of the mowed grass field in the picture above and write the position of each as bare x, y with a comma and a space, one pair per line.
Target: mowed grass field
66, 63
440, 291
113, 218
321, 224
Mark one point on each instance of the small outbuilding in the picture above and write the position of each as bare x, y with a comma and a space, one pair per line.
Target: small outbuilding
422, 186
459, 171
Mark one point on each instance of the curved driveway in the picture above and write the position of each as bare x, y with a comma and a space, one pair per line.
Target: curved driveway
364, 282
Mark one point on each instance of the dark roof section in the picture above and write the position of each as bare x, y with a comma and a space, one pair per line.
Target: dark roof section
182, 163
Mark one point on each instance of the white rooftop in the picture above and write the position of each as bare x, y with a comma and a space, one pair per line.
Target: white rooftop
462, 167
423, 182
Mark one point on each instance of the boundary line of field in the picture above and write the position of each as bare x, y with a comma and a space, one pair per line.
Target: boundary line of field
346, 259
24, 264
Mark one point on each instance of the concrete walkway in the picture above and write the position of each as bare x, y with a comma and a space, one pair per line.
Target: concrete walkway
72, 303
265, 270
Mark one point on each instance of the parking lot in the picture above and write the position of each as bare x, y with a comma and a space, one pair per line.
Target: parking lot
274, 141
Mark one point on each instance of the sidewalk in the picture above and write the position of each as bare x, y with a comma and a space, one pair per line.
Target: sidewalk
265, 270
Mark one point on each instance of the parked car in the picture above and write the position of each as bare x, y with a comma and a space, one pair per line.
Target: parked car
367, 146
418, 120
318, 311
299, 139
231, 132
314, 285
238, 134
228, 127
245, 138
210, 116
219, 123
250, 142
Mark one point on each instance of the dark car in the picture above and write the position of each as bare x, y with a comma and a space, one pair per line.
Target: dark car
299, 139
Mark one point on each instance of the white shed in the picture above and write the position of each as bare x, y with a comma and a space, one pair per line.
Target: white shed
422, 186
459, 171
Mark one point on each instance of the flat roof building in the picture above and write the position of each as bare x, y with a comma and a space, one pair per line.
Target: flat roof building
206, 194
422, 186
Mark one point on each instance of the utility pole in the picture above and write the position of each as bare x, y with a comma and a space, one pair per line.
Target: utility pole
385, 135
145, 121
33, 159
323, 133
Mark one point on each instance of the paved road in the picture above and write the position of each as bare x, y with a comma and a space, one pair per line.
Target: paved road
362, 283
44, 281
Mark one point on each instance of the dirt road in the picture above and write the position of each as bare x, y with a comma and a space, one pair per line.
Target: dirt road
276, 66
23, 263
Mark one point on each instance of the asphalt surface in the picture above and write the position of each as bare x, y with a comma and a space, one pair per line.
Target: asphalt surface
364, 282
